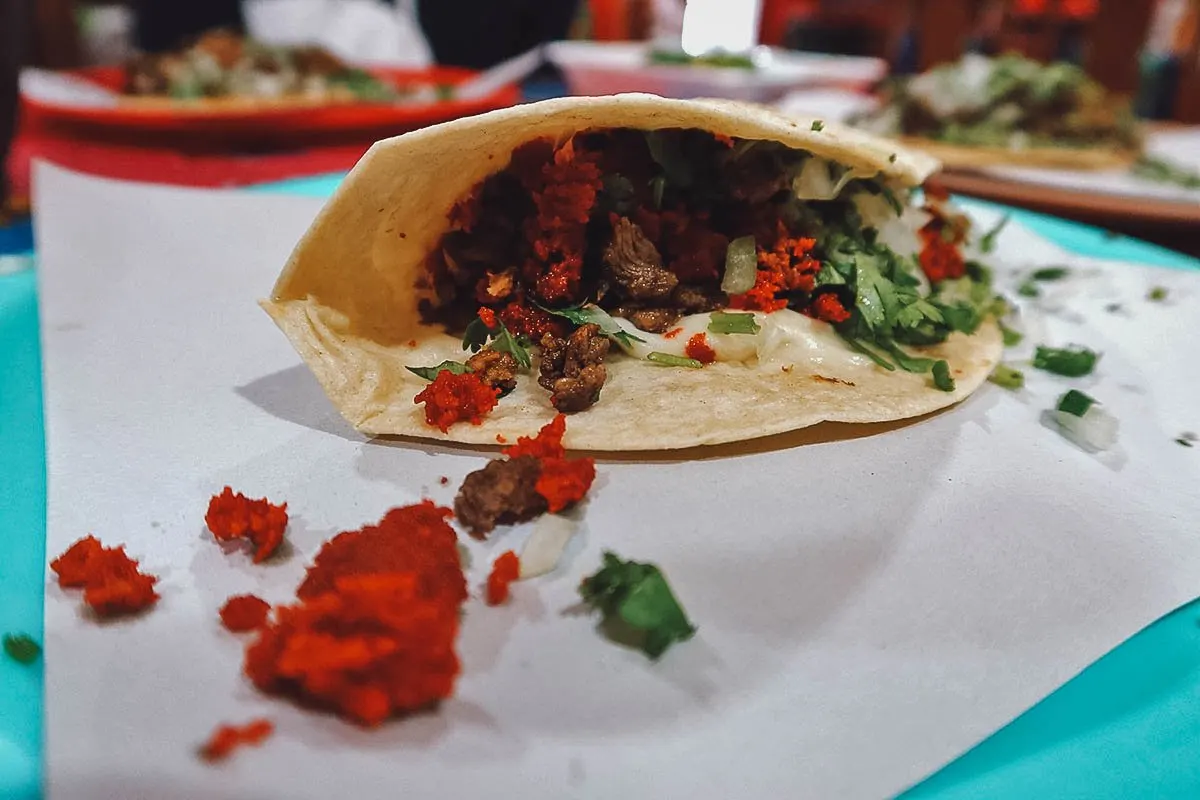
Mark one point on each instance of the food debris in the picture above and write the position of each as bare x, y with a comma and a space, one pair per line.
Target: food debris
505, 570
454, 398
374, 632
21, 648
1157, 294
234, 516
638, 605
444, 481
534, 479
111, 581
699, 349
244, 613
227, 738
1187, 439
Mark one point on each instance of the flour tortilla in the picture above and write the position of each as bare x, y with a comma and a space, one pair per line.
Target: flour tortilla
965, 157
347, 299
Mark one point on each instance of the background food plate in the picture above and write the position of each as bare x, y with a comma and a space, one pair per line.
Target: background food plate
599, 68
1099, 196
861, 621
276, 124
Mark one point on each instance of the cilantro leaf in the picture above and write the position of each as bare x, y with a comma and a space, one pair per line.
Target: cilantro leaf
516, 346
1075, 403
477, 334
1157, 294
591, 314
1006, 376
942, 378
21, 648
728, 322
637, 604
430, 373
818, 125
987, 243
906, 362
1050, 273
1070, 362
1028, 289
859, 346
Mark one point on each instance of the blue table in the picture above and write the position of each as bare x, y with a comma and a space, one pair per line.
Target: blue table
1127, 728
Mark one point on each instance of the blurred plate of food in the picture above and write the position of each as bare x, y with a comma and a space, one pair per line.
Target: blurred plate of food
1008, 110
1023, 133
231, 86
764, 74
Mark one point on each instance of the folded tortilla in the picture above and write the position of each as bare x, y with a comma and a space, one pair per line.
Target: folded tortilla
348, 297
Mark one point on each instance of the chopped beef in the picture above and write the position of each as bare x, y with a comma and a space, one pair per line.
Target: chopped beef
502, 493
498, 370
653, 320
496, 287
573, 369
698, 299
636, 265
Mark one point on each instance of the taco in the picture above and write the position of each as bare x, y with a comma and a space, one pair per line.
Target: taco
673, 273
985, 111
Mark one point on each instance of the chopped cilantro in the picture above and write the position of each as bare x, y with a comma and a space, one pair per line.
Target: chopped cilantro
638, 606
1185, 441
1070, 362
21, 648
1012, 337
892, 200
1050, 273
1157, 294
1075, 403
668, 360
728, 322
906, 362
818, 125
591, 314
478, 333
430, 373
942, 378
987, 243
1028, 289
892, 158
1006, 376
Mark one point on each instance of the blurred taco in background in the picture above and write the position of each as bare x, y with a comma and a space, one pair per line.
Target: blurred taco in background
672, 273
1008, 110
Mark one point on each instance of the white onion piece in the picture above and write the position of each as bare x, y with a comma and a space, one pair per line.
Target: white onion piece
545, 545
815, 183
1095, 431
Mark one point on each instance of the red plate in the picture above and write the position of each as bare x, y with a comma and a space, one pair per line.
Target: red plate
268, 125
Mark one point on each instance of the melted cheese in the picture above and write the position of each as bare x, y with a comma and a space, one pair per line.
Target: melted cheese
784, 337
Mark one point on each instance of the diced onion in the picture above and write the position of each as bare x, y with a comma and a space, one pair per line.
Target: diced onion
741, 266
545, 546
815, 183
1095, 431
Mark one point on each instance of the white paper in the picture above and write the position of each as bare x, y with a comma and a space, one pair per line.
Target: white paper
868, 608
361, 31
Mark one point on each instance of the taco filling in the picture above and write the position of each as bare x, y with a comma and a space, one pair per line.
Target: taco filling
684, 248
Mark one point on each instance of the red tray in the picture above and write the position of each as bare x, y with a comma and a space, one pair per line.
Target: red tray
266, 125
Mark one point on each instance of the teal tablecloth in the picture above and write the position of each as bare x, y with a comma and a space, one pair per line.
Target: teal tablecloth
1127, 728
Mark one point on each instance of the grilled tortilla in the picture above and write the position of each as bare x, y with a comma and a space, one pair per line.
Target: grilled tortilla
381, 283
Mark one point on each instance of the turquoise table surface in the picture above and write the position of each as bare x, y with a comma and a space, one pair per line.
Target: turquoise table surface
1128, 727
